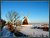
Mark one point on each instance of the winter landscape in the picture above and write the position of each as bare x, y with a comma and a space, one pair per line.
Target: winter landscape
28, 19
33, 32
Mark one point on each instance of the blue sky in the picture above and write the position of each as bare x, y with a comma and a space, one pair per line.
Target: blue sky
38, 11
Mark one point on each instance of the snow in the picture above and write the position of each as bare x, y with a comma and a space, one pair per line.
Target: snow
26, 29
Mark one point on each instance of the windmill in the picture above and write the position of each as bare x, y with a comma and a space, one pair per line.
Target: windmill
25, 21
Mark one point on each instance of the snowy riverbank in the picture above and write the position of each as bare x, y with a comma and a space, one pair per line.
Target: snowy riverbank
33, 32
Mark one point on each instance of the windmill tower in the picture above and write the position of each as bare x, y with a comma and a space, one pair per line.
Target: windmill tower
25, 21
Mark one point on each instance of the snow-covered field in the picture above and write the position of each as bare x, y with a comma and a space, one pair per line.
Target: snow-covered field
33, 32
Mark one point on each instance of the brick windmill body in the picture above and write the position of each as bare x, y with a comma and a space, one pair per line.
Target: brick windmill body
25, 22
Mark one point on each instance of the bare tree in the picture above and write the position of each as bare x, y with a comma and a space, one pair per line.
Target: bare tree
19, 23
12, 16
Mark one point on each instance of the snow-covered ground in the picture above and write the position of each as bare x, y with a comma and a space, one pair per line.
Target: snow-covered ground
32, 32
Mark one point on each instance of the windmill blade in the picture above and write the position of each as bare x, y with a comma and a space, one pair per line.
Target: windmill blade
22, 13
28, 14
